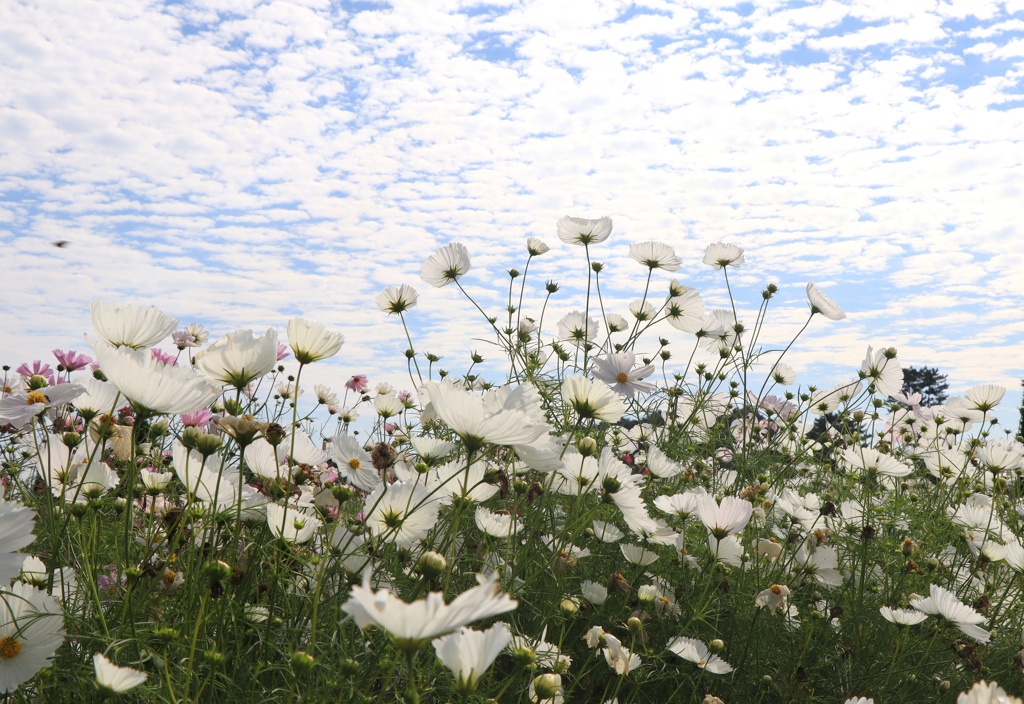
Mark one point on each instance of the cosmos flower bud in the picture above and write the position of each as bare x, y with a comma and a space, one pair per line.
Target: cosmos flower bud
431, 564
71, 439
275, 434
218, 570
717, 645
635, 625
587, 447
302, 662
207, 444
547, 686
342, 493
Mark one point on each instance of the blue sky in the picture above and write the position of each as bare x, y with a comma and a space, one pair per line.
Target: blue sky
237, 162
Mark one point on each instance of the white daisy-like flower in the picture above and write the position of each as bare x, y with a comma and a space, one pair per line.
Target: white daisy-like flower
987, 693
311, 341
607, 532
696, 652
641, 310
446, 265
984, 397
655, 255
397, 299
582, 231
820, 303
616, 323
411, 626
591, 400
902, 617
616, 369
130, 325
403, 512
16, 524
681, 505
636, 555
159, 387
291, 524
468, 653
720, 254
431, 450
660, 465
867, 460
498, 525
684, 308
783, 374
19, 409
324, 395
536, 247
618, 656
883, 370
239, 358
113, 679
773, 598
577, 329
731, 516
593, 592
943, 602
354, 463
99, 397
31, 630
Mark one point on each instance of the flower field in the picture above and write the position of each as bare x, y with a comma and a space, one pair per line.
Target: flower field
614, 518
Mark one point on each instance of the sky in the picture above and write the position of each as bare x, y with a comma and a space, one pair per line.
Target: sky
237, 163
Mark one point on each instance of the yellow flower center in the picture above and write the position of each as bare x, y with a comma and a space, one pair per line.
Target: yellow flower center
36, 397
354, 463
702, 663
776, 589
622, 377
9, 647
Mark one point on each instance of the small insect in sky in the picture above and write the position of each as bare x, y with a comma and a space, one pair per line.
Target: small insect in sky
60, 243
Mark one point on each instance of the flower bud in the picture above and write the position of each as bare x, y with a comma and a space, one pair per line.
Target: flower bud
71, 439
634, 624
431, 564
569, 607
207, 444
587, 447
190, 437
275, 434
214, 658
547, 686
302, 662
717, 645
218, 570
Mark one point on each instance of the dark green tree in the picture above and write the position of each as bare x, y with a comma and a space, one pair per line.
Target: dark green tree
926, 381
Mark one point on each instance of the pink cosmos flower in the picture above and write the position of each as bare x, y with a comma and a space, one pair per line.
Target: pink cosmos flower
71, 360
37, 369
357, 383
163, 357
282, 351
199, 419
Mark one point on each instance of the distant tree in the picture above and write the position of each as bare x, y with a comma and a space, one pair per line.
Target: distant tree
926, 381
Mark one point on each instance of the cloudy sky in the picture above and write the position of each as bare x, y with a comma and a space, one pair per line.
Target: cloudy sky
238, 162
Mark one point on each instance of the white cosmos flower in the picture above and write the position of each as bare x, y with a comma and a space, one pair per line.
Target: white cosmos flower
943, 602
291, 524
618, 657
431, 450
902, 617
868, 460
616, 370
456, 479
19, 409
130, 325
114, 679
536, 247
159, 387
16, 524
773, 598
984, 397
411, 626
239, 358
498, 525
446, 265
820, 303
616, 323
696, 652
684, 308
655, 255
479, 422
354, 463
311, 341
577, 329
591, 400
31, 630
593, 592
783, 374
99, 397
607, 532
403, 512
636, 555
720, 254
397, 299
468, 653
582, 231
986, 693
884, 370
727, 518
